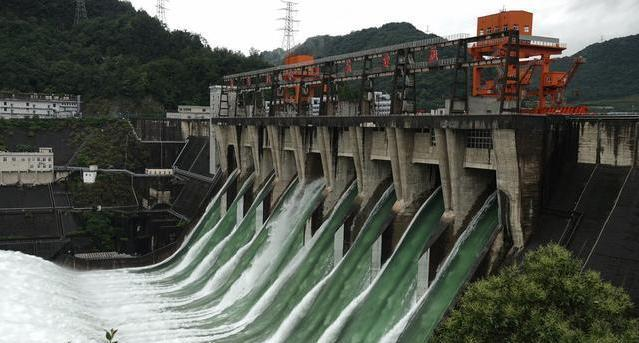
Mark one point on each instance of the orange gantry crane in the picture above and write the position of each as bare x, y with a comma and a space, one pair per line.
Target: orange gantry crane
300, 93
511, 67
528, 80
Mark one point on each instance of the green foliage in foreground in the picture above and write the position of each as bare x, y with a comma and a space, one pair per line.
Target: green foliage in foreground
110, 336
545, 299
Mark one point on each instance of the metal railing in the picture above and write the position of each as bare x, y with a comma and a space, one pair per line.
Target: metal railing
419, 45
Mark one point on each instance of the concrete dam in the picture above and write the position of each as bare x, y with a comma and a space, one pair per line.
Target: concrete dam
349, 226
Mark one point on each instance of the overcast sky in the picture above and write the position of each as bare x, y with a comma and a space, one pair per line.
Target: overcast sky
242, 24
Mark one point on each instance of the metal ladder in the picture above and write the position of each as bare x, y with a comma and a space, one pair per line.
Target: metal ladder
459, 91
404, 94
224, 102
511, 85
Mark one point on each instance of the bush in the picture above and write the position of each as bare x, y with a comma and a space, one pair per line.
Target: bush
545, 299
100, 228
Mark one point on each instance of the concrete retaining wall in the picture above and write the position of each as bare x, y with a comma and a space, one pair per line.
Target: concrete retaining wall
608, 143
25, 178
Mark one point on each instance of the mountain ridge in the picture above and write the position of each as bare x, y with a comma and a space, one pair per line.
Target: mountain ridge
610, 72
367, 38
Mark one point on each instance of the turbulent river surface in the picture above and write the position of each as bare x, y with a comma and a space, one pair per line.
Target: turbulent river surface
240, 277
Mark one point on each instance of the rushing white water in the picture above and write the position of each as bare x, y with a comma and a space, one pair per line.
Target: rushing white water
236, 280
41, 302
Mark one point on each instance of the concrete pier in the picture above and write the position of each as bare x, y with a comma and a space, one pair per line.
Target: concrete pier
469, 156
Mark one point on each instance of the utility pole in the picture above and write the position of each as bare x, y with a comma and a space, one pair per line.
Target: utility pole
160, 10
288, 40
80, 11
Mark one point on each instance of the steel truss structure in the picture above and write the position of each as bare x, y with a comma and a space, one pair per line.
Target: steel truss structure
401, 62
289, 22
160, 10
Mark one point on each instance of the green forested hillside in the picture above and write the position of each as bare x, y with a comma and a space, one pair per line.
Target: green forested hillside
611, 74
120, 59
392, 33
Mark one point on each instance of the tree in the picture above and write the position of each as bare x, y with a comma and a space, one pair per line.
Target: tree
99, 227
544, 299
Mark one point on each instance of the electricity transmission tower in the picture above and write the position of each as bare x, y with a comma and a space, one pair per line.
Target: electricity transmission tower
288, 40
80, 11
160, 10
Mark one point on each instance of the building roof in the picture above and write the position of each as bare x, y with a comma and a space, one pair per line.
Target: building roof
38, 96
98, 256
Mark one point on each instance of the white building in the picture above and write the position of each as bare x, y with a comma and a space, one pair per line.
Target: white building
31, 168
439, 112
382, 104
314, 106
190, 112
159, 172
21, 106
90, 176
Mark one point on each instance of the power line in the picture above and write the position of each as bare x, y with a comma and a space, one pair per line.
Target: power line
80, 11
160, 10
288, 40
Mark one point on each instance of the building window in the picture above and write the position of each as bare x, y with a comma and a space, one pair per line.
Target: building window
479, 139
488, 30
5, 109
27, 104
481, 32
516, 27
527, 29
505, 27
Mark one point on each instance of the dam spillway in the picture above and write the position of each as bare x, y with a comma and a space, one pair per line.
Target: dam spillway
235, 279
279, 258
